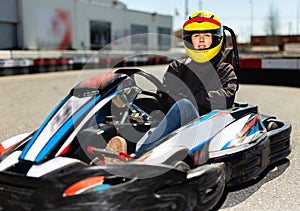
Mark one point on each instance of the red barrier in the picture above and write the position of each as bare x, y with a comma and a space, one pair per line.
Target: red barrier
251, 63
51, 64
157, 59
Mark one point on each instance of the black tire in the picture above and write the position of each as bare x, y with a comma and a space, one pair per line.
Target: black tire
279, 134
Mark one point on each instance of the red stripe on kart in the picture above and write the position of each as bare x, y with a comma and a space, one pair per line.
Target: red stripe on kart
82, 185
143, 159
3, 150
248, 127
65, 150
217, 115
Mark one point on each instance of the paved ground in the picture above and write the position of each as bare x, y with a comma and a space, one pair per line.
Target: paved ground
26, 101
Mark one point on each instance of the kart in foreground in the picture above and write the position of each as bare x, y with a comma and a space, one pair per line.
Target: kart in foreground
63, 165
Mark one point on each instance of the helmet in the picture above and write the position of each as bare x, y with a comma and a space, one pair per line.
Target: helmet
203, 22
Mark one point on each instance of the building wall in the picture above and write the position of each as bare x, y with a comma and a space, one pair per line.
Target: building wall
36, 18
8, 24
39, 18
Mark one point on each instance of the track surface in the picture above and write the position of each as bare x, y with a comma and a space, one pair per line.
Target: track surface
26, 101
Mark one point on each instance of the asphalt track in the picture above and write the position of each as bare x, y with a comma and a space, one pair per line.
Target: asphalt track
26, 100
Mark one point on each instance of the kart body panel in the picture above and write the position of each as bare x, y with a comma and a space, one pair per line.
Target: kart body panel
188, 169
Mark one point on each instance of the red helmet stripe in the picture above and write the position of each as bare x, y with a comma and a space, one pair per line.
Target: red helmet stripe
202, 19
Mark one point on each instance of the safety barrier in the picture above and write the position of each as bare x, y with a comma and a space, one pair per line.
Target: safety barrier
278, 71
50, 61
270, 71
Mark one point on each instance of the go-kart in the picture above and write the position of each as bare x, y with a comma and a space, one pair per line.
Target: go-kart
62, 165
65, 163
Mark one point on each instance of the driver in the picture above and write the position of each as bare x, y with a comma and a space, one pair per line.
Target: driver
201, 82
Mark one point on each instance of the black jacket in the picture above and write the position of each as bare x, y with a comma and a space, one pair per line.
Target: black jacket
210, 85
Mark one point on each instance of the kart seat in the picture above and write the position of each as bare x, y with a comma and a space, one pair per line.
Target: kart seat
240, 109
228, 54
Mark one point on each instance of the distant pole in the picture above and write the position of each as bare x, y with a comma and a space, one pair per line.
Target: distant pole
298, 17
251, 29
186, 9
200, 5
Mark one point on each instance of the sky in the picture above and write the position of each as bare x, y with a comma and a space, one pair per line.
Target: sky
240, 15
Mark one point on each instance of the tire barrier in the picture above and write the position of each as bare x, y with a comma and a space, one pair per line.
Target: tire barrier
27, 66
40, 65
11, 67
266, 71
51, 65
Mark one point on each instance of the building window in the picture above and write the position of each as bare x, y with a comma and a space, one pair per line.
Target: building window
164, 38
286, 39
8, 38
139, 38
256, 41
100, 34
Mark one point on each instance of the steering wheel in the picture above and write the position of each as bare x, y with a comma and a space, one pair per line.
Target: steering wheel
144, 109
137, 114
160, 87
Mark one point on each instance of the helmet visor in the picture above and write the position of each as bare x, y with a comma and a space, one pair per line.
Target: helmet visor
217, 35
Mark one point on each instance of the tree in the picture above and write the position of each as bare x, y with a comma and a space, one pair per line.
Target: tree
272, 26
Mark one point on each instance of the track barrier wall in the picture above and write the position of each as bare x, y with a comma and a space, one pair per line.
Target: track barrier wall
269, 71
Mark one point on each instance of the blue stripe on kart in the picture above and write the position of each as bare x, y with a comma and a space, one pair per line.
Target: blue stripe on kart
209, 115
253, 130
102, 187
36, 134
194, 149
62, 131
203, 118
226, 145
261, 124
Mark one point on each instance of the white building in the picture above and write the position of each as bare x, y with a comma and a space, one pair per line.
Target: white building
80, 24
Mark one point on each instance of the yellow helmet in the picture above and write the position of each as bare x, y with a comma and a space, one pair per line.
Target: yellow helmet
203, 22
